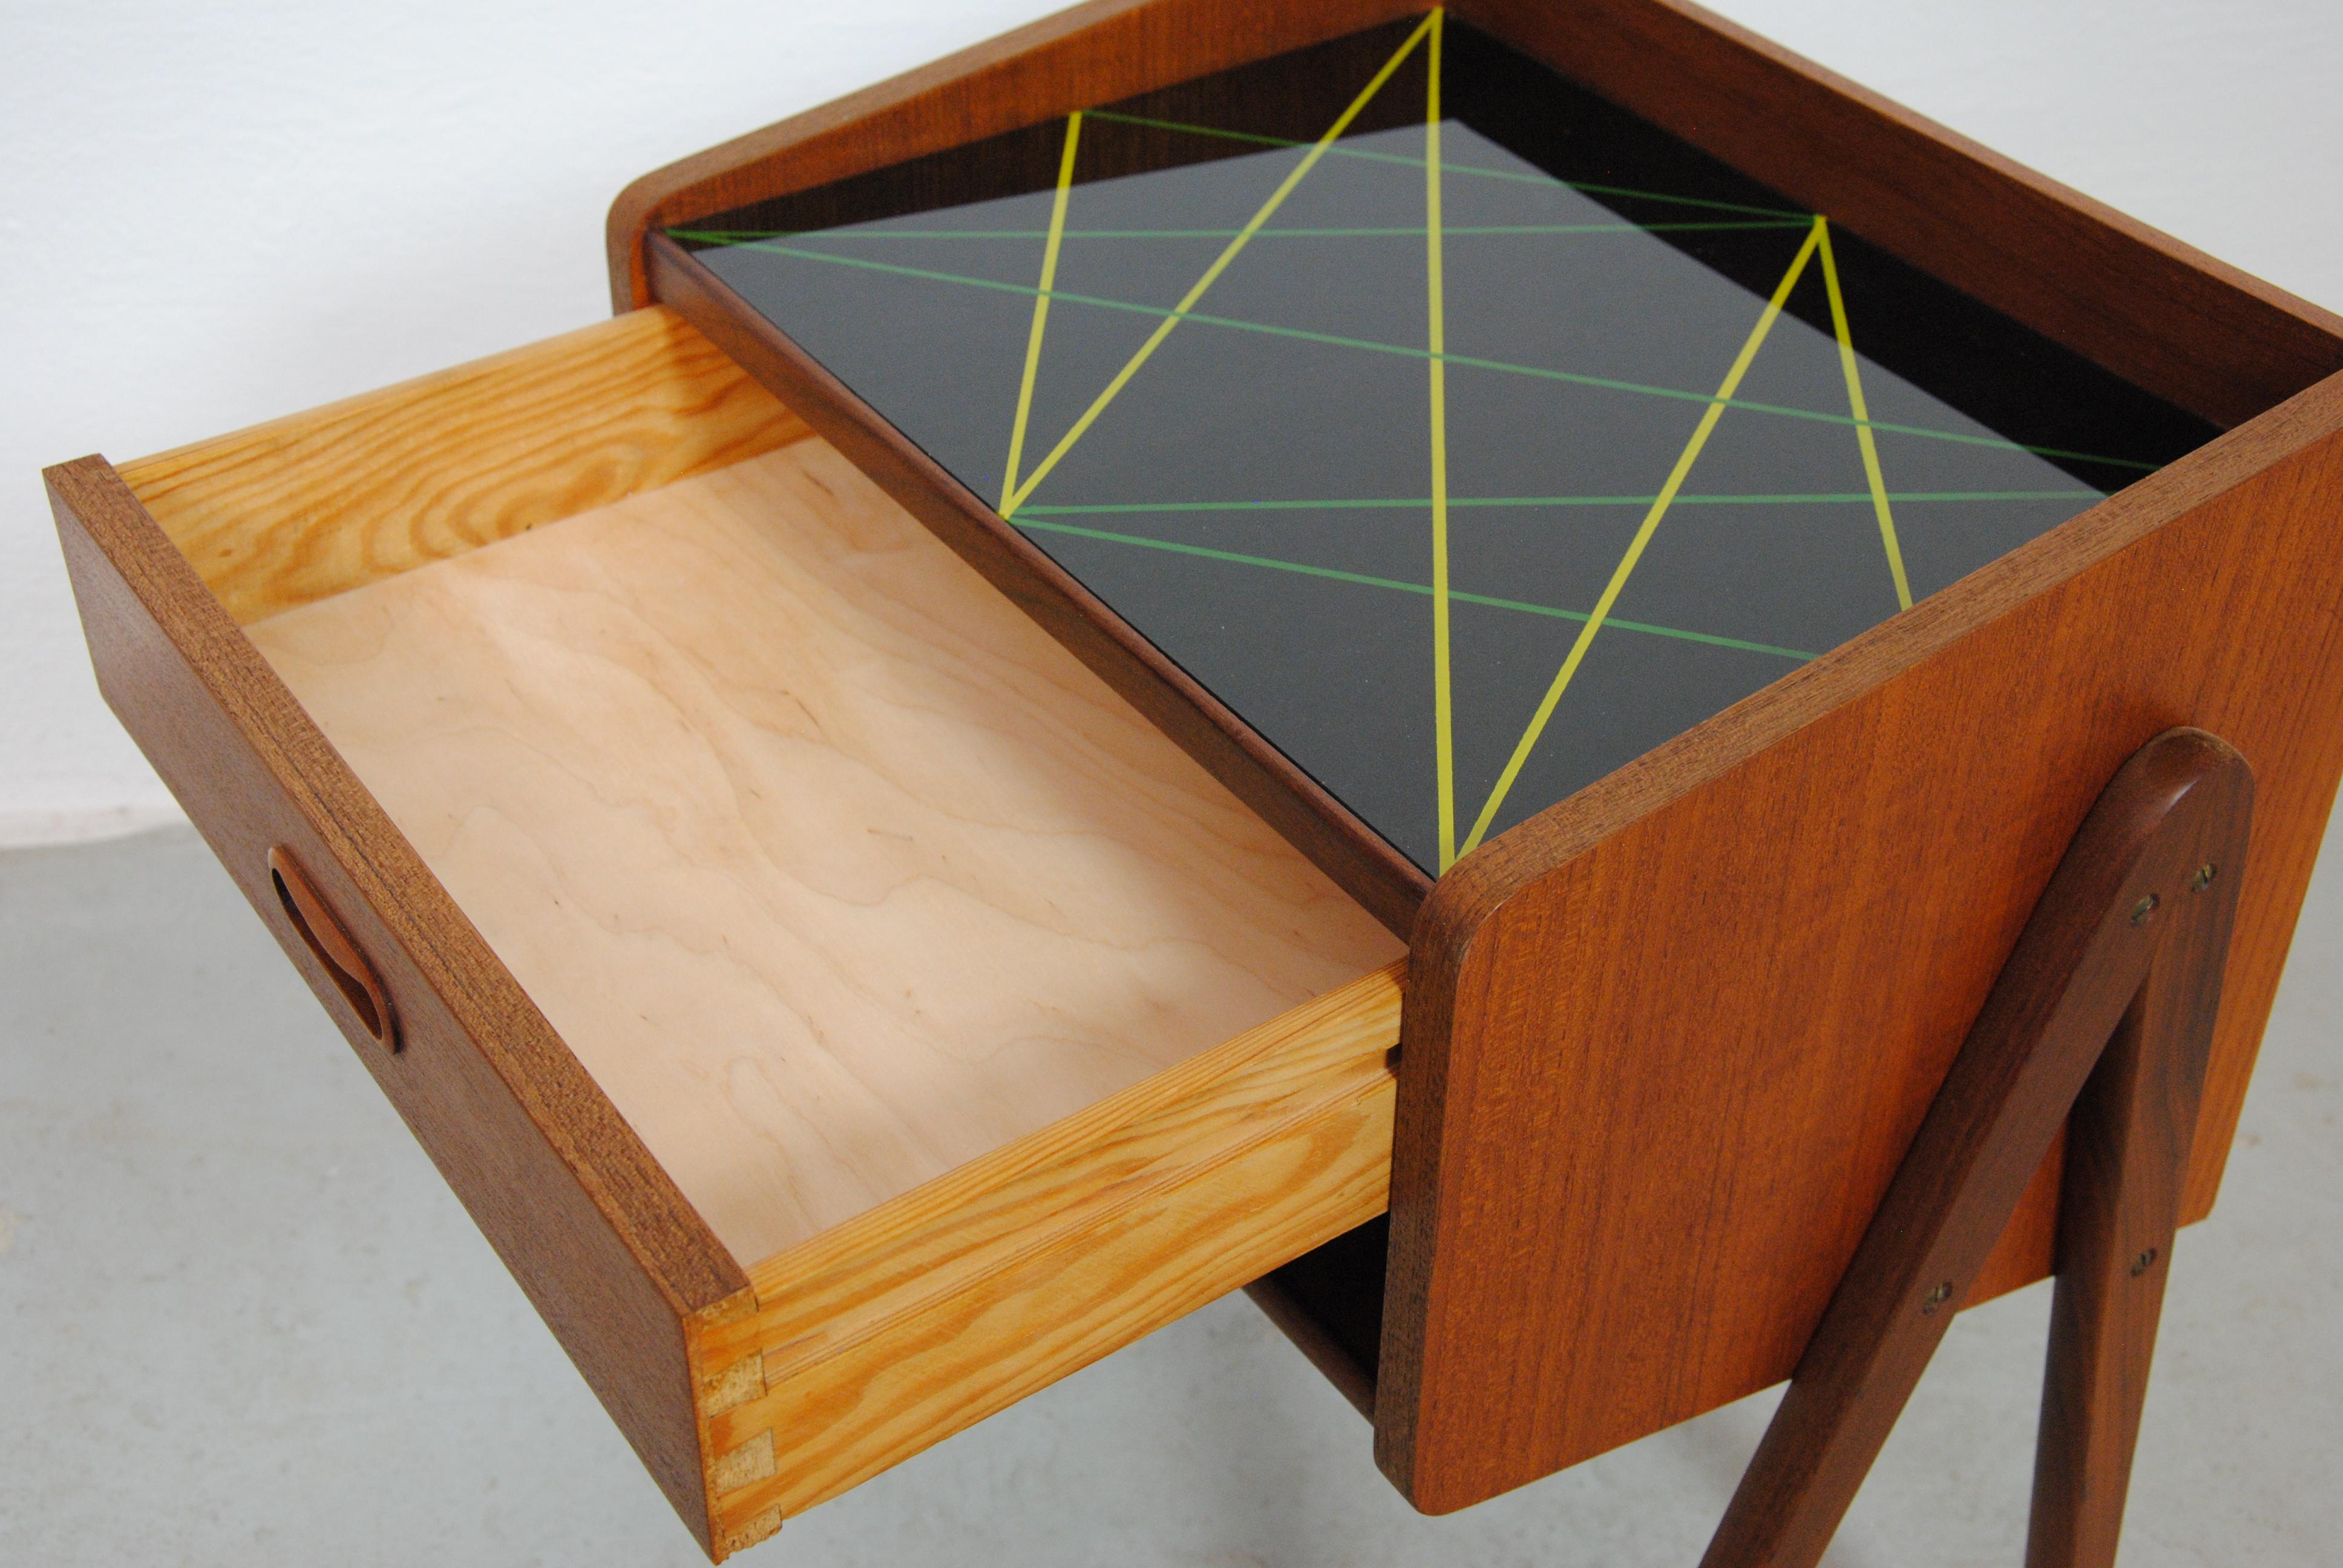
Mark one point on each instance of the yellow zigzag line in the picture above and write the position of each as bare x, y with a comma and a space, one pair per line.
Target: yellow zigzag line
1863, 421
1018, 496
1643, 537
1042, 306
1443, 701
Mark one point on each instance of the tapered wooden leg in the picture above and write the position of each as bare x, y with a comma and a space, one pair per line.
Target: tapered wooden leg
2105, 1007
2127, 1158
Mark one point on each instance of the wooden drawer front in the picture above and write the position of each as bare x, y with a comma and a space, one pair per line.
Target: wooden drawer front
607, 1251
761, 1358
926, 1314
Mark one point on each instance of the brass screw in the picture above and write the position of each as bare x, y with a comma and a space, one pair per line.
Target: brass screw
2204, 877
1936, 1298
2142, 909
2141, 1264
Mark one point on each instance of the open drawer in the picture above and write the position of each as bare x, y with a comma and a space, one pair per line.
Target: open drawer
843, 1014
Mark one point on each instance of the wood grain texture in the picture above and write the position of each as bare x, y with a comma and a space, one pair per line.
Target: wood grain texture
910, 1321
2028, 1248
305, 507
596, 1235
2115, 984
1759, 947
2159, 313
2130, 1141
1088, 55
1358, 858
835, 870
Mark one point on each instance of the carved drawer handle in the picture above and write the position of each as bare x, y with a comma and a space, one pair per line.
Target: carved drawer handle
353, 976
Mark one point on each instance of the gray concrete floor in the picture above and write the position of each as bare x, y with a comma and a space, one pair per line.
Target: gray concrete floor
242, 1322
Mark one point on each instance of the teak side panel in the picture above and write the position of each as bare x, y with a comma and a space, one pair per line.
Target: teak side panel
596, 1235
1090, 54
2157, 312
906, 1324
1759, 947
305, 507
2106, 1008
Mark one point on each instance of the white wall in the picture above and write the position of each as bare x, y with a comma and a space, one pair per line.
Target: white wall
214, 215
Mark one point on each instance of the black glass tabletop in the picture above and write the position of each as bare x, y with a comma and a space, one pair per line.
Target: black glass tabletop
1467, 436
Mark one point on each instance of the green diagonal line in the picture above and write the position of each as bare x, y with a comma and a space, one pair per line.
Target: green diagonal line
1849, 497
742, 236
1570, 377
1446, 167
1025, 519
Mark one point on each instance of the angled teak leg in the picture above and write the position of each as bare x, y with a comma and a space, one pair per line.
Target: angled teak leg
2106, 1008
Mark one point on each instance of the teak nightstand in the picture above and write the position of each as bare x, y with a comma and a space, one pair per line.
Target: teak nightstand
1610, 718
